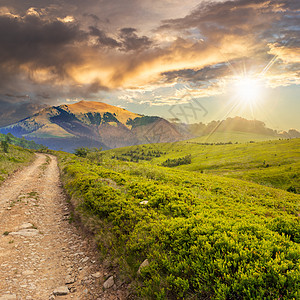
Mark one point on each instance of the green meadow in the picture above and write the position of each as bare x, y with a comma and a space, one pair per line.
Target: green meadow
211, 227
271, 163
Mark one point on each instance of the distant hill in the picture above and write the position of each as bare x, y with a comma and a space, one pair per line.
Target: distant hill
233, 137
219, 131
92, 124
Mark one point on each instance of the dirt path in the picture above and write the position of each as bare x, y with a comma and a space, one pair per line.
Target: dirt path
42, 255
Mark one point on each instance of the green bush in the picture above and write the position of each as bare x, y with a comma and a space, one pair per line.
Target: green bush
292, 189
82, 152
186, 160
4, 146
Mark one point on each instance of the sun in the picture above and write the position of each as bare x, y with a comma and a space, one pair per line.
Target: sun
247, 89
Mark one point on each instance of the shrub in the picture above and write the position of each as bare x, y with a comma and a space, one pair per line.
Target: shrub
82, 152
177, 161
95, 155
4, 146
292, 189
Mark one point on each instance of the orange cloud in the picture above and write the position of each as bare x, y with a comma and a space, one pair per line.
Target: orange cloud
132, 70
285, 53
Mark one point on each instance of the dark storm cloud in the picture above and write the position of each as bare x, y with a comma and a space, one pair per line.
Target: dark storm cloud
42, 42
128, 31
103, 39
34, 47
216, 20
131, 41
118, 13
127, 39
94, 17
197, 76
15, 108
46, 51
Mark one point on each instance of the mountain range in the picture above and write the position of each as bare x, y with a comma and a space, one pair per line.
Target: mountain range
92, 124
97, 124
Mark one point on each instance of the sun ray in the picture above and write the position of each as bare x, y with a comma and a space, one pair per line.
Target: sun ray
224, 118
269, 65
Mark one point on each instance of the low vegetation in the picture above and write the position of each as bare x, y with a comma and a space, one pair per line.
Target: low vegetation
205, 236
12, 158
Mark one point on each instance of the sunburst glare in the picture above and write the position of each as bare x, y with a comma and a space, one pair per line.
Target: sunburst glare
248, 89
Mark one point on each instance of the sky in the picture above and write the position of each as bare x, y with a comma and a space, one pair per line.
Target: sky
194, 61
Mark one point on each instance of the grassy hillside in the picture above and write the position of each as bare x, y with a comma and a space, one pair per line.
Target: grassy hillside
22, 142
204, 236
271, 163
14, 159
